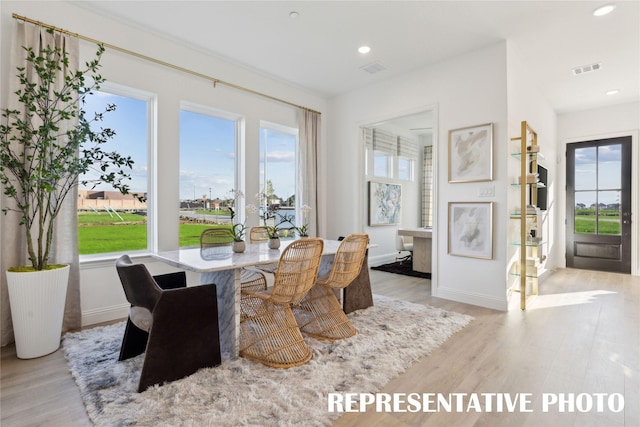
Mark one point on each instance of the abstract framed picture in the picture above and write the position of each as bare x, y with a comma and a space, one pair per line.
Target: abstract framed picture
471, 153
470, 229
384, 203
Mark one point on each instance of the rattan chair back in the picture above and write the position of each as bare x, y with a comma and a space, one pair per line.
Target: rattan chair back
297, 270
214, 237
258, 234
347, 262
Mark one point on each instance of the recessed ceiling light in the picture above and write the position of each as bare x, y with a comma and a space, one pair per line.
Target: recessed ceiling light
604, 10
613, 92
364, 49
294, 15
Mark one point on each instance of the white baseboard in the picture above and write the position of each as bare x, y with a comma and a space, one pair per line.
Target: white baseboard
106, 314
471, 298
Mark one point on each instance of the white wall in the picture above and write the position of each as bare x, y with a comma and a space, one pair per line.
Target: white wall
101, 292
527, 104
614, 121
467, 90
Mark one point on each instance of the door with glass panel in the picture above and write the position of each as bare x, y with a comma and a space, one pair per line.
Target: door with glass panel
599, 205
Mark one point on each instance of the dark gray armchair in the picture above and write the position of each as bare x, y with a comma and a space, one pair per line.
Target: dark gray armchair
174, 325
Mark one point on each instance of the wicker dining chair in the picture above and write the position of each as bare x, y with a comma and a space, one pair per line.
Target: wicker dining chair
319, 313
222, 237
259, 234
268, 330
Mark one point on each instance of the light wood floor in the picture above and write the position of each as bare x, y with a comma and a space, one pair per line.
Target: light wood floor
581, 335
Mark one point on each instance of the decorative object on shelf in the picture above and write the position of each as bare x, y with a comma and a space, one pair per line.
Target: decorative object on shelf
471, 153
40, 138
384, 203
470, 229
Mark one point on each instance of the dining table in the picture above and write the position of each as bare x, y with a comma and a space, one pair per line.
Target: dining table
221, 266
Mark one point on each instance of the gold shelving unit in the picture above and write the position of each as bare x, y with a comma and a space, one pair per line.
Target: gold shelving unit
528, 245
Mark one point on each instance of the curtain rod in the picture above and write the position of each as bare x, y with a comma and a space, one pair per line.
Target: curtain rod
214, 80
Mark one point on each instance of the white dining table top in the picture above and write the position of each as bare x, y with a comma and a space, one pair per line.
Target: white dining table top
223, 258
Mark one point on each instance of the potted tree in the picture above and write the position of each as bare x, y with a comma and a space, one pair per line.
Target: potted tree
43, 152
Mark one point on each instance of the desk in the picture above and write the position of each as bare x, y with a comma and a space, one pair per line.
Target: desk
421, 247
222, 267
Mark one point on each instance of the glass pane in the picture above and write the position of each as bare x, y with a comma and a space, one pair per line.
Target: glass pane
207, 172
277, 175
609, 212
108, 220
585, 212
585, 163
609, 167
381, 165
404, 169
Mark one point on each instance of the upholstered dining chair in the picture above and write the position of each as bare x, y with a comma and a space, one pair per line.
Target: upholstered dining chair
174, 325
268, 330
319, 313
222, 237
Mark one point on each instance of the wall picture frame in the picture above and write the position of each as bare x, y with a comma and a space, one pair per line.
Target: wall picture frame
471, 153
384, 203
471, 229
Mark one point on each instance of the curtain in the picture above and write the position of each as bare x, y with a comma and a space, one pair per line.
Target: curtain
13, 248
309, 137
385, 142
427, 187
407, 148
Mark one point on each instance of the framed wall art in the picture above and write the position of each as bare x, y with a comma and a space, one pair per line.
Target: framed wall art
471, 153
384, 203
470, 229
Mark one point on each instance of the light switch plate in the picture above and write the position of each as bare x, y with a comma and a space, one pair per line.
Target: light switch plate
489, 191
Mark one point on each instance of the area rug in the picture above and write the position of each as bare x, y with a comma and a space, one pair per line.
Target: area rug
400, 267
392, 335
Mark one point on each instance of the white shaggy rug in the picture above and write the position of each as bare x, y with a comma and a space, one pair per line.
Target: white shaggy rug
392, 335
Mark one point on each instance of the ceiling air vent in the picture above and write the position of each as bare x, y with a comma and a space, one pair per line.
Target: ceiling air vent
373, 68
587, 69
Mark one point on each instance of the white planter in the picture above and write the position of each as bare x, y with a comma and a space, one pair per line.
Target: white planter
239, 246
37, 302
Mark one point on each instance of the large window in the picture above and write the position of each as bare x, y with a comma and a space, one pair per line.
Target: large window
208, 141
109, 221
278, 174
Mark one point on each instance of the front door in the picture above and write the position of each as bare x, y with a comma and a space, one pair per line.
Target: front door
599, 205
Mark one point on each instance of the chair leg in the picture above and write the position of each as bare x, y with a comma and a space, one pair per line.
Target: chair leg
320, 315
134, 341
269, 334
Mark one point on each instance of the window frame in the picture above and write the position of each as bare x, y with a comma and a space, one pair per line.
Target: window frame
152, 106
295, 132
239, 149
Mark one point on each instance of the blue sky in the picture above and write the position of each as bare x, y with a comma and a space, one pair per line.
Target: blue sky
207, 150
608, 167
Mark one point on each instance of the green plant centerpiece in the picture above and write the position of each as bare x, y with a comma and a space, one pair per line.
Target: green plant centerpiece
46, 145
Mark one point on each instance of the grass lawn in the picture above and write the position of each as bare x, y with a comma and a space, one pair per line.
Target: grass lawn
102, 233
606, 225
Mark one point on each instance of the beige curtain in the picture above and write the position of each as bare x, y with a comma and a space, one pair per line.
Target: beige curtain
309, 135
13, 249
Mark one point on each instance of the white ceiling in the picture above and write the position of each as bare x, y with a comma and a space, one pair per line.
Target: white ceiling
318, 50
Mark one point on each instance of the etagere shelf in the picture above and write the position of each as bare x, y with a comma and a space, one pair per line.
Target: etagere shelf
530, 240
